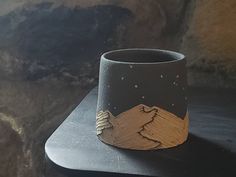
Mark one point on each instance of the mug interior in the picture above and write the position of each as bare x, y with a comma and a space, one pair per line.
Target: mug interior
143, 56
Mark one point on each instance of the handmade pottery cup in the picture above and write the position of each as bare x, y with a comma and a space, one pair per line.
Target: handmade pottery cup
142, 102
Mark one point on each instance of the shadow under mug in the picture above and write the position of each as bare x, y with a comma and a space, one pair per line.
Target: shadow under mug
142, 102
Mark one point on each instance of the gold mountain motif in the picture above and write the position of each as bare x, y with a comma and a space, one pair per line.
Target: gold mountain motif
142, 128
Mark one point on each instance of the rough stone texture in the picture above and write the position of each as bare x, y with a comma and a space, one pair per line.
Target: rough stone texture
29, 113
9, 140
49, 55
210, 44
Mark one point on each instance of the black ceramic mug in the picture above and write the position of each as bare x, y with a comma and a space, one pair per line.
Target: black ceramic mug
142, 102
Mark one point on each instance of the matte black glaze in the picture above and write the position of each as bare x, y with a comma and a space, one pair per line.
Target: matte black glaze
142, 76
210, 151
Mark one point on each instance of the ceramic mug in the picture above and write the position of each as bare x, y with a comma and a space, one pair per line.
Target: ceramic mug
142, 102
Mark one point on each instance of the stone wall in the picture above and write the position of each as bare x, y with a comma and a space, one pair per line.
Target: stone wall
49, 56
209, 44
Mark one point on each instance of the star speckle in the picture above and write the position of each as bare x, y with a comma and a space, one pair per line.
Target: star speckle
127, 78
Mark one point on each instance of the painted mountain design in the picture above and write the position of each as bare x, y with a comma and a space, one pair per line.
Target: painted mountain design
142, 128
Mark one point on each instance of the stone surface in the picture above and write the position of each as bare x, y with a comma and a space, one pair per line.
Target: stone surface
210, 44
29, 113
9, 140
49, 56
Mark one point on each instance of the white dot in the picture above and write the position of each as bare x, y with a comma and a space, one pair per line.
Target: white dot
135, 86
108, 86
109, 104
172, 104
122, 78
131, 66
185, 98
143, 97
161, 76
183, 88
114, 108
177, 76
174, 83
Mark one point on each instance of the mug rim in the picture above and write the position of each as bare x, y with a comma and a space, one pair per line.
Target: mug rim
178, 56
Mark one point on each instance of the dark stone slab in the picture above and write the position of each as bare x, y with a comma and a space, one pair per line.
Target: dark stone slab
209, 152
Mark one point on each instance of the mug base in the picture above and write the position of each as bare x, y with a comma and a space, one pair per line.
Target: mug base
142, 128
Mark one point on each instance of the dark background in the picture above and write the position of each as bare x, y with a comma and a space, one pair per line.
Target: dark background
49, 56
